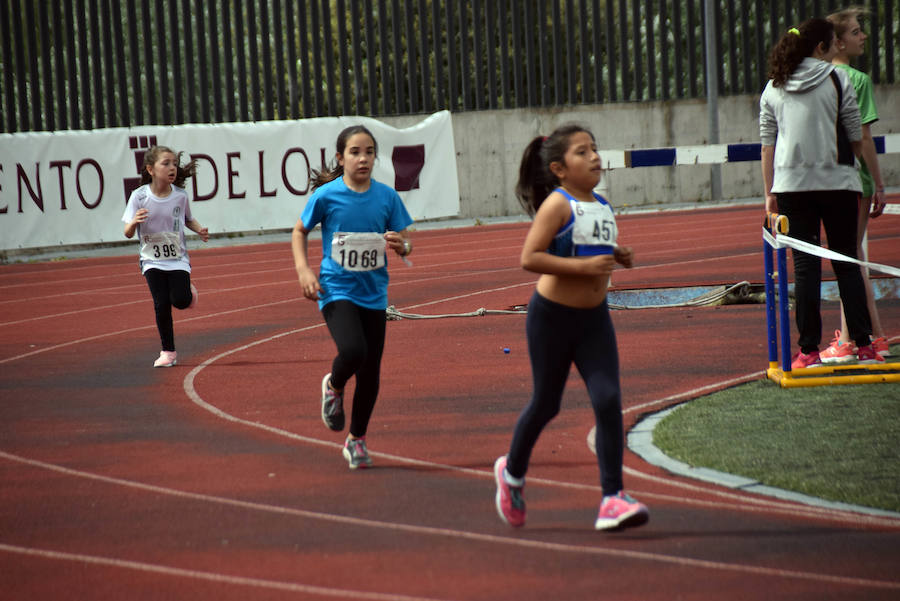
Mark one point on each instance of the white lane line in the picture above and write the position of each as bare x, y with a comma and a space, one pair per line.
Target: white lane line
464, 534
216, 577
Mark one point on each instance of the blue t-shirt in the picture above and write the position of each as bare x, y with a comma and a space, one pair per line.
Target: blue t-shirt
340, 209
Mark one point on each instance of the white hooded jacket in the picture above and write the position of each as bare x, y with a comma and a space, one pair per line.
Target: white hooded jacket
800, 119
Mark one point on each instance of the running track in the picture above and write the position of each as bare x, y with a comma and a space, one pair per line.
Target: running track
217, 480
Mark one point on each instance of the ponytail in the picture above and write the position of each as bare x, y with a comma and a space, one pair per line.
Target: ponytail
795, 45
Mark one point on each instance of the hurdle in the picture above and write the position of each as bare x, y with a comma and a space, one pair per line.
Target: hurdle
777, 312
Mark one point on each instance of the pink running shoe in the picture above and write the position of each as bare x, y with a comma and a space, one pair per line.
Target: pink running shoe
838, 352
166, 359
802, 360
621, 511
510, 504
195, 296
881, 346
867, 355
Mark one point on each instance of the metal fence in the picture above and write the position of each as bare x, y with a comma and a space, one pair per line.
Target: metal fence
83, 64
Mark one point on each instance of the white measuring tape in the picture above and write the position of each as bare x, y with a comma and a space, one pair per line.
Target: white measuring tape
783, 241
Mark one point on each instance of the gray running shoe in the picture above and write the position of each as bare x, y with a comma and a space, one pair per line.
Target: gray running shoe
332, 406
356, 453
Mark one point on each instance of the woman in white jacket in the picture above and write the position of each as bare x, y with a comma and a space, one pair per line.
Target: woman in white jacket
809, 125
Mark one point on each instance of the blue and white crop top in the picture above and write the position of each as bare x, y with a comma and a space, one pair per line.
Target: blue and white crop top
591, 230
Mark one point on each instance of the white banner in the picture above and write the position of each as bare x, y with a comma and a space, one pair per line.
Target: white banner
71, 187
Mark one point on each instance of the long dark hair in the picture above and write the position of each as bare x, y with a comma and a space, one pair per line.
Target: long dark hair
336, 170
536, 181
795, 45
184, 171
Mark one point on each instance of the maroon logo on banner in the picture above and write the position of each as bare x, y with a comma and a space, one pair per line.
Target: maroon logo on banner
408, 162
139, 145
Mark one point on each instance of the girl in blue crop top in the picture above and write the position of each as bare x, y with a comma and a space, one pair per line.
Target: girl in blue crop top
572, 244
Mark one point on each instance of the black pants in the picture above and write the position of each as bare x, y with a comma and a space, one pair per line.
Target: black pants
359, 335
169, 289
836, 210
557, 337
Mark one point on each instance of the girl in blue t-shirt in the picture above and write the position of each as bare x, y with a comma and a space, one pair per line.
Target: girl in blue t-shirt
572, 244
361, 218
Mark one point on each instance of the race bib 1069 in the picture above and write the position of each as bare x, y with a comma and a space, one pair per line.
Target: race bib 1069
358, 251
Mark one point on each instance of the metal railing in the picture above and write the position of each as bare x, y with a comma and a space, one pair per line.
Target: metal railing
84, 64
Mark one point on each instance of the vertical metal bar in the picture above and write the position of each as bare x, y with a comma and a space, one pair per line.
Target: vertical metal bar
771, 315
491, 41
293, 109
72, 83
464, 59
679, 49
664, 50
712, 92
650, 37
478, 42
241, 53
539, 30
572, 68
889, 42
530, 31
307, 92
637, 47
557, 45
441, 101
343, 57
46, 70
253, 47
33, 82
371, 52
774, 30
121, 78
172, 53
588, 91
267, 67
692, 54
355, 26
427, 88
624, 56
60, 91
874, 45
598, 53
611, 52
503, 27
218, 114
132, 80
9, 91
316, 59
97, 65
412, 85
387, 101
161, 51
87, 109
399, 104
518, 61
781, 254
746, 51
201, 78
452, 71
732, 19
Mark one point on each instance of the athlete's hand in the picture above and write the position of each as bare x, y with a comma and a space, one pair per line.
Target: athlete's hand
141, 216
597, 265
309, 284
395, 242
624, 256
878, 203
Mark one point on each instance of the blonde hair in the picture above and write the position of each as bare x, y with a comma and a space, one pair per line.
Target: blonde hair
841, 19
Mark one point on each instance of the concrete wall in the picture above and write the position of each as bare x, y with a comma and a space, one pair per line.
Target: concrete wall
489, 147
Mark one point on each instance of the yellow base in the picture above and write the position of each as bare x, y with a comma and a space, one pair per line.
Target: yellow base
827, 375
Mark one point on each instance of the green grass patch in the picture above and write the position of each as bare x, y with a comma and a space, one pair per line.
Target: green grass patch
840, 443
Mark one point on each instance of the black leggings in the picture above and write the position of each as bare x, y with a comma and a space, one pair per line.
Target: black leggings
359, 335
837, 211
169, 289
557, 337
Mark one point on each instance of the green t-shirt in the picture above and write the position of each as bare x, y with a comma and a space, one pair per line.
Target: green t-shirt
862, 83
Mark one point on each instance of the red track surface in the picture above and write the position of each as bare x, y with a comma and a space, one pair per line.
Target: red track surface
217, 480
